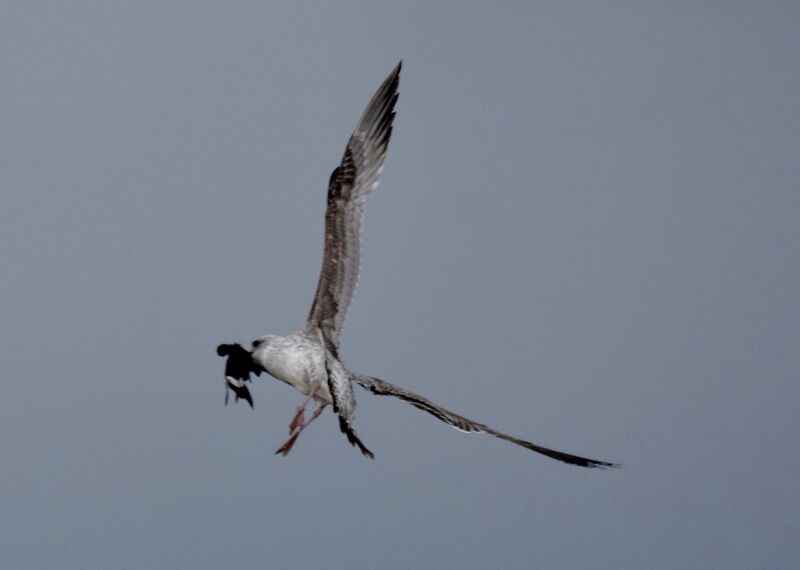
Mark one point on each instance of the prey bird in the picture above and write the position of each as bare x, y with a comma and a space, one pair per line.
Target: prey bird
309, 359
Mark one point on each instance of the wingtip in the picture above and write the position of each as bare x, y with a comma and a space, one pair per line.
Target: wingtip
581, 461
366, 452
396, 71
344, 425
585, 462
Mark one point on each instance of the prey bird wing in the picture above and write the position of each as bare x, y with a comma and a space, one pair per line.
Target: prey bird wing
383, 388
238, 368
350, 184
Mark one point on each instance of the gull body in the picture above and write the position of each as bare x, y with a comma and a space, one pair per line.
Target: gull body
297, 359
308, 360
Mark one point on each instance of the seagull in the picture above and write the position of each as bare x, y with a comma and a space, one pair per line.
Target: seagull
309, 359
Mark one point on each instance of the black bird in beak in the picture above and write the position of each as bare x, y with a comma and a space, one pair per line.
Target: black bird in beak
238, 368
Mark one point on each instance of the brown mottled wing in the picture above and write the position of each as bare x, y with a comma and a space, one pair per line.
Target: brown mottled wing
350, 184
382, 388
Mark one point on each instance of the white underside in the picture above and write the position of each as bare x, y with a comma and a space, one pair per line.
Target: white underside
297, 359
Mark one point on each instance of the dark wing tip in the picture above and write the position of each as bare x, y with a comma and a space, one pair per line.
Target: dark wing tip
394, 73
379, 112
239, 392
585, 462
344, 425
565, 457
247, 397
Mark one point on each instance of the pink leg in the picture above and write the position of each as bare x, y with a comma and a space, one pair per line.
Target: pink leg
298, 421
317, 412
287, 446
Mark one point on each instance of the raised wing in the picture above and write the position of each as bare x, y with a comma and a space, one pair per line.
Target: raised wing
350, 183
383, 388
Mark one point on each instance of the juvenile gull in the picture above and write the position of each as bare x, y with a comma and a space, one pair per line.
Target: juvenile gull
309, 359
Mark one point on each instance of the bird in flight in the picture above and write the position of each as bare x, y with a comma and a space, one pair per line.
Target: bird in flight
309, 359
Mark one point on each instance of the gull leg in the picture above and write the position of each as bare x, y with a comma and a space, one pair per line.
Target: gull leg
287, 446
316, 414
298, 421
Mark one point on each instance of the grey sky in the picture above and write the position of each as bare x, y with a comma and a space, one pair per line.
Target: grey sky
586, 235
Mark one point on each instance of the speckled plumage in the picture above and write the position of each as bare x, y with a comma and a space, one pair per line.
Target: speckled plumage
309, 359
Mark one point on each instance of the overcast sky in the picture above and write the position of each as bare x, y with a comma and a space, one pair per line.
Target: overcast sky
587, 234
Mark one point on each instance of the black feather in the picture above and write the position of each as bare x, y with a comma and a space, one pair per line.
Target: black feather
239, 366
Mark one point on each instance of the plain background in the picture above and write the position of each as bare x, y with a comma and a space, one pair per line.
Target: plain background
586, 234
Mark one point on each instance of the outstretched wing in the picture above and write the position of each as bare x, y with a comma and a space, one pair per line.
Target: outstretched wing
382, 388
350, 183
